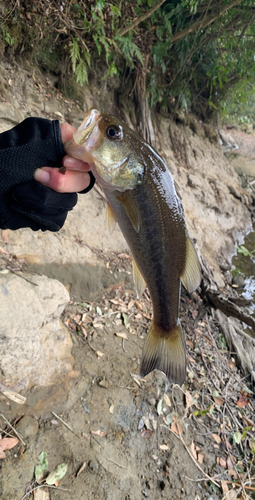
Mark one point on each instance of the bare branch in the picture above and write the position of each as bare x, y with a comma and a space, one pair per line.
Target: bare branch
141, 18
204, 22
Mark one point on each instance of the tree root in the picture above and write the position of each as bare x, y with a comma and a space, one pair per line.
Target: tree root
224, 307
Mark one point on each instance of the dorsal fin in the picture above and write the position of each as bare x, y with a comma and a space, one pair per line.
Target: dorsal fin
191, 274
130, 209
139, 280
110, 218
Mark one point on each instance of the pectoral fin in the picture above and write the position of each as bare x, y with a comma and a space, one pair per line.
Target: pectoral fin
110, 218
130, 209
139, 280
191, 275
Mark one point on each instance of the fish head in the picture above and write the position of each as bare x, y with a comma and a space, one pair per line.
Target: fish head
108, 145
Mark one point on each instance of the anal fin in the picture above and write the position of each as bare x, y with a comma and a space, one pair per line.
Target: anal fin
191, 275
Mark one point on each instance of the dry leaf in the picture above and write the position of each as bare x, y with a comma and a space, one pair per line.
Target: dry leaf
189, 399
81, 469
146, 433
8, 443
243, 400
99, 354
193, 450
176, 426
217, 438
190, 344
230, 462
231, 495
167, 400
191, 360
232, 473
224, 486
42, 494
121, 335
218, 400
111, 409
164, 447
200, 457
222, 462
98, 325
99, 433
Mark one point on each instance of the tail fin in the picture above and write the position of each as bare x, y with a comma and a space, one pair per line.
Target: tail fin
166, 353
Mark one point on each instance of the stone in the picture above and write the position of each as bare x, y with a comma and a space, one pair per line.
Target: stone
27, 427
35, 346
238, 281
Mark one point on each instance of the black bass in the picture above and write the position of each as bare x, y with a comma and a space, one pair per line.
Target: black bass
144, 200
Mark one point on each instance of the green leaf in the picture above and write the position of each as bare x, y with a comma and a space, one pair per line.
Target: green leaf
169, 418
74, 53
81, 73
237, 437
42, 468
57, 474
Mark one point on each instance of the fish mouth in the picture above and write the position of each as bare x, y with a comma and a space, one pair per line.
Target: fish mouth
86, 127
75, 147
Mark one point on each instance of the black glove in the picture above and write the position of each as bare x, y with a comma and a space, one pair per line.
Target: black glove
24, 202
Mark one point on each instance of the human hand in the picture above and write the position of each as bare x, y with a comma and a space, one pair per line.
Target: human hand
76, 177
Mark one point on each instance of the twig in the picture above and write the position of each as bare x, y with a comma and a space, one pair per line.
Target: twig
239, 485
141, 18
20, 276
97, 442
191, 456
43, 486
63, 422
119, 465
14, 396
13, 429
7, 433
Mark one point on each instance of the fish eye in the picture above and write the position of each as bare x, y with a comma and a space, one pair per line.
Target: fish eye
114, 132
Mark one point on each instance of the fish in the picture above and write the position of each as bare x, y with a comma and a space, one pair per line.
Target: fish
145, 201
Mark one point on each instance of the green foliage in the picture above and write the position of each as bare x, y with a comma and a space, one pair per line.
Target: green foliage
244, 251
129, 49
222, 342
192, 56
80, 58
237, 272
7, 37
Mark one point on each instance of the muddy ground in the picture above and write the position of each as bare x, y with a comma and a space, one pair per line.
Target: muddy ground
131, 438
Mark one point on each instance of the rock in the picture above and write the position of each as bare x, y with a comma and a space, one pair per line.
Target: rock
219, 279
35, 346
199, 439
227, 140
238, 281
27, 427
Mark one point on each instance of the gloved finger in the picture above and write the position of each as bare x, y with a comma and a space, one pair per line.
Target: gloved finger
72, 181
